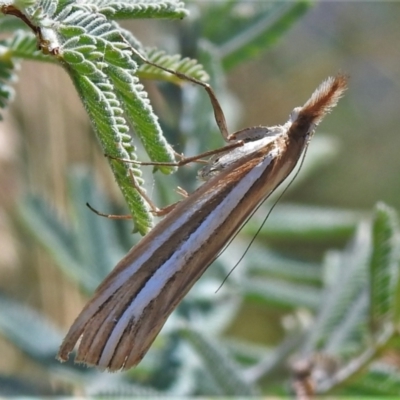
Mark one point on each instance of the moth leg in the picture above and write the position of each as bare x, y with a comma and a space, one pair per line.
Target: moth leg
183, 160
110, 216
218, 112
159, 212
182, 192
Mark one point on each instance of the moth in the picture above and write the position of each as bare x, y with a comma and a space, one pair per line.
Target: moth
120, 322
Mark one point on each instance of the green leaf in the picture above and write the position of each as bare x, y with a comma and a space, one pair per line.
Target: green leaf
343, 291
121, 389
13, 386
33, 334
98, 58
119, 9
269, 263
110, 86
268, 22
43, 340
218, 364
384, 268
86, 247
351, 331
280, 293
381, 379
104, 110
97, 238
139, 112
57, 238
291, 222
28, 3
23, 45
276, 359
9, 23
187, 66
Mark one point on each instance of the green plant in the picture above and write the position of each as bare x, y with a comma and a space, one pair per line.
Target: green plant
350, 299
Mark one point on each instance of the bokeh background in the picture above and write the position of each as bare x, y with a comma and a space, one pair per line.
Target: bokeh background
46, 130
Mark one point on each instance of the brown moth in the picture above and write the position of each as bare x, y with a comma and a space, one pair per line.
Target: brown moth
119, 324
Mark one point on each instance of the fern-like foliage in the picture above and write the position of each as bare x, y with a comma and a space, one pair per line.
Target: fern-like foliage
350, 300
84, 38
119, 9
219, 365
350, 279
344, 347
358, 319
385, 268
259, 29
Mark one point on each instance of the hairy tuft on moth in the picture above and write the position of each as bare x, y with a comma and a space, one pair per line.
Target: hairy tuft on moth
119, 324
322, 101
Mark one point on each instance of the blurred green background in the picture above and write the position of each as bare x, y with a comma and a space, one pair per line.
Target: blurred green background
359, 39
46, 131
